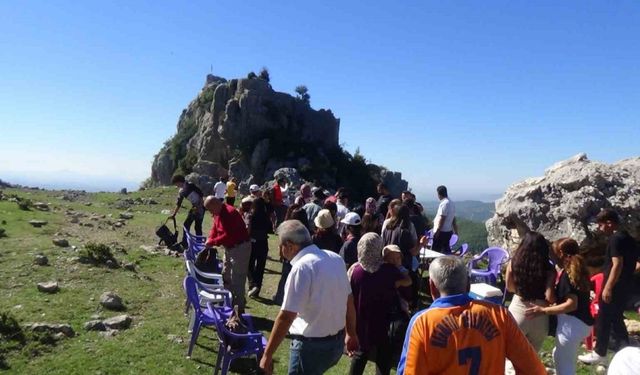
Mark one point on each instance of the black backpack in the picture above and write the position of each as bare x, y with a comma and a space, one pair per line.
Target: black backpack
167, 237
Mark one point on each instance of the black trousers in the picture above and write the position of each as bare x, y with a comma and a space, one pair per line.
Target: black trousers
257, 262
441, 242
380, 354
192, 218
611, 318
286, 268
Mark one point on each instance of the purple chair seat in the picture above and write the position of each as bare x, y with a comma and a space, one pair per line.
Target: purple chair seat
496, 257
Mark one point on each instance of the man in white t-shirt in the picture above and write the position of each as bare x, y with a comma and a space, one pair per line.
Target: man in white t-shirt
220, 188
444, 225
317, 299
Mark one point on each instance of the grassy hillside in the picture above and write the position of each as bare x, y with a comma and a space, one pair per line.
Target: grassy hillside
156, 343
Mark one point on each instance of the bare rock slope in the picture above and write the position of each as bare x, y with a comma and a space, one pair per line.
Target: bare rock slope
565, 201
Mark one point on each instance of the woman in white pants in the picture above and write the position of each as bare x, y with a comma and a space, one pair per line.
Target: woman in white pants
572, 308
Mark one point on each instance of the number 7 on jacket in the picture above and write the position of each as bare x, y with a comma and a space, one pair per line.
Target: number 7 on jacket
473, 354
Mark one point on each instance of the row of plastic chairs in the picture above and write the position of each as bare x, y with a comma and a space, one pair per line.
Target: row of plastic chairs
212, 306
231, 345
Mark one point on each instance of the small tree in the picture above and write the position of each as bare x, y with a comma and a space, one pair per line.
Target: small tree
264, 74
303, 93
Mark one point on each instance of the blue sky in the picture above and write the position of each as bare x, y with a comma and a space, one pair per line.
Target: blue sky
474, 95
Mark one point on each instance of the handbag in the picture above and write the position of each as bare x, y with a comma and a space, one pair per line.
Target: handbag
167, 237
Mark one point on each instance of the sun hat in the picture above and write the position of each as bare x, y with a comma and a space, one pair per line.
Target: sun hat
253, 188
391, 248
351, 218
324, 219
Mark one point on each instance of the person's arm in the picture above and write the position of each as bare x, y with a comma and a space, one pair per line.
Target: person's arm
550, 291
280, 329
351, 337
570, 305
178, 204
455, 226
519, 351
416, 342
405, 280
614, 275
508, 277
437, 223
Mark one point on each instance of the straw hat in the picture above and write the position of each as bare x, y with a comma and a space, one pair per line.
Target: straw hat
324, 219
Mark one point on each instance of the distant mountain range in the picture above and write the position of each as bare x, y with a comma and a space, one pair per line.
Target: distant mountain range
470, 210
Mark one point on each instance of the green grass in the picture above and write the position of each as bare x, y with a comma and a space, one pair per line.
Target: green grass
153, 294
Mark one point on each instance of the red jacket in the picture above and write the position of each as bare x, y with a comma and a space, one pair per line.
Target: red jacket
229, 229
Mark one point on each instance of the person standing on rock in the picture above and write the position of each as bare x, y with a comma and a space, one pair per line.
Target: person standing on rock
229, 232
382, 206
220, 188
196, 213
444, 225
620, 262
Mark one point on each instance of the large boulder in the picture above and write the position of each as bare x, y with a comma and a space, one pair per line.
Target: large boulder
565, 201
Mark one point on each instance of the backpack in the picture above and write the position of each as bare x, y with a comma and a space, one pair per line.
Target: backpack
167, 237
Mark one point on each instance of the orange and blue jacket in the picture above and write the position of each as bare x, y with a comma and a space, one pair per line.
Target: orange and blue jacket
458, 335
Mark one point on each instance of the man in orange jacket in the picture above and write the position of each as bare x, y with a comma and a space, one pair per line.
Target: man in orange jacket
458, 335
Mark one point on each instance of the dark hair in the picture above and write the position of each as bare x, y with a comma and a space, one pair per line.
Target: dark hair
574, 264
530, 266
259, 208
608, 214
359, 209
400, 217
355, 229
331, 206
177, 178
383, 186
300, 215
293, 207
442, 191
369, 223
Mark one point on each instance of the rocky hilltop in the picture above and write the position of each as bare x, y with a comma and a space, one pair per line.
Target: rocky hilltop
565, 201
243, 128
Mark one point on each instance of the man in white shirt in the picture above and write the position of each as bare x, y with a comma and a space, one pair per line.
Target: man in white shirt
444, 225
317, 307
220, 188
343, 210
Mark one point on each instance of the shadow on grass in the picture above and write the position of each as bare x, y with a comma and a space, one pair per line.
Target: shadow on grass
262, 324
264, 301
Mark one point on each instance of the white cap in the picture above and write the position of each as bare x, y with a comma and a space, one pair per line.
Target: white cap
253, 188
351, 218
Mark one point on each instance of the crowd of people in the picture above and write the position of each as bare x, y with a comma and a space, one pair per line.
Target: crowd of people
349, 283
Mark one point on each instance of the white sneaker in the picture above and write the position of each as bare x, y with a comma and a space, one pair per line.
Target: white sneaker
592, 358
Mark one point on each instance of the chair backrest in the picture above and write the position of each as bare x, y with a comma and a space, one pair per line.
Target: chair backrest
194, 242
497, 257
429, 235
464, 249
453, 240
206, 280
191, 290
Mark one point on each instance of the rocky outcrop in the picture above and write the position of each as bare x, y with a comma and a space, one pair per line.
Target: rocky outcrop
565, 201
243, 128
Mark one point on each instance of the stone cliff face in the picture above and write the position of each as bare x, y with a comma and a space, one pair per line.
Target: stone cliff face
565, 201
243, 128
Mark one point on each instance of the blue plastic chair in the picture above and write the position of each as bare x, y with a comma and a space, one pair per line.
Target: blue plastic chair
201, 316
429, 235
496, 257
235, 345
462, 250
195, 244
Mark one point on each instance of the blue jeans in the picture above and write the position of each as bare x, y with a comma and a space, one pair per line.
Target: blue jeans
314, 357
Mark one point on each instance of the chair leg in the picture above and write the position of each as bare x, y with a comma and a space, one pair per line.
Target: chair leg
226, 363
221, 353
194, 337
192, 321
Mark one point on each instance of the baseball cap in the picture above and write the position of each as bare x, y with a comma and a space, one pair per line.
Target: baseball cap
253, 188
351, 218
